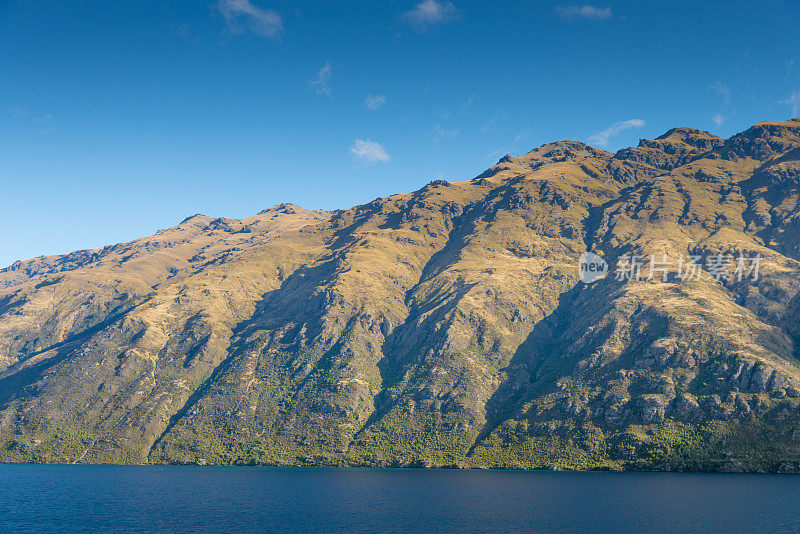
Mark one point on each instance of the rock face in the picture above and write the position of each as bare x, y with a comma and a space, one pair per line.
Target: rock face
443, 327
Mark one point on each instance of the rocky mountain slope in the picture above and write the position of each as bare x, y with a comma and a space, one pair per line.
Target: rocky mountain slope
443, 327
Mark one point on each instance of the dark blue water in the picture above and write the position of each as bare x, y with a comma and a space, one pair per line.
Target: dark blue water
42, 498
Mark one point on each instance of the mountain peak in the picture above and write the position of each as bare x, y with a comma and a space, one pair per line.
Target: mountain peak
563, 149
285, 207
196, 217
685, 133
682, 140
676, 147
764, 140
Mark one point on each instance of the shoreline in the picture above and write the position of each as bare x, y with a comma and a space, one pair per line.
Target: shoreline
407, 468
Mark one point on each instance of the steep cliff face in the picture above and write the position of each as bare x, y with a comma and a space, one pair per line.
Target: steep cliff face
447, 326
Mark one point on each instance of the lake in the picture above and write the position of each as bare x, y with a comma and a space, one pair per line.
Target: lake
47, 498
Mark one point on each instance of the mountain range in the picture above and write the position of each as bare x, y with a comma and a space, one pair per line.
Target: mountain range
447, 327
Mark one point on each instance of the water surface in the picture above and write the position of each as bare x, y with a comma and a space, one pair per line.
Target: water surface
52, 498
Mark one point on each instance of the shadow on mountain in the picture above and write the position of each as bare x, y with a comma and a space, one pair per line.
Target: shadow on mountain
14, 380
524, 378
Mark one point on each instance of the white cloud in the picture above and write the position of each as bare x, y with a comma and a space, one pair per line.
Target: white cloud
241, 14
721, 89
584, 12
374, 102
369, 152
794, 101
320, 82
601, 139
429, 13
718, 119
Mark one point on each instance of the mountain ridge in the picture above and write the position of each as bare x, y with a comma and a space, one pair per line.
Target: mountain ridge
443, 327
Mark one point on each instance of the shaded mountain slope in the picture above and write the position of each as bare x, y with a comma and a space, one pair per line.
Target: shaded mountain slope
447, 326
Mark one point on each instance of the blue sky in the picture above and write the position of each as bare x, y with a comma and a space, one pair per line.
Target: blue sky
120, 118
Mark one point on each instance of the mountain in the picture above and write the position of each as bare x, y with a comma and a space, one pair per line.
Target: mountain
445, 327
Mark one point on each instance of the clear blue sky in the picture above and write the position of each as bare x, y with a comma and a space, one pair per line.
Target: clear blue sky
119, 118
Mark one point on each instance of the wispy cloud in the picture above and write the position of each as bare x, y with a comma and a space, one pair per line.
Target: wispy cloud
721, 89
601, 139
241, 15
374, 102
182, 29
43, 122
369, 152
521, 135
440, 133
491, 124
584, 12
494, 154
718, 119
430, 13
19, 112
794, 101
321, 80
